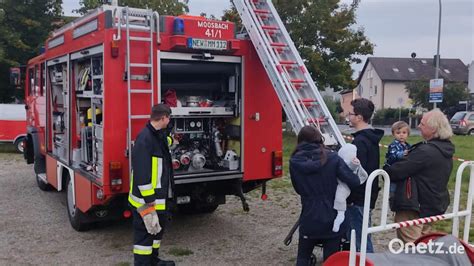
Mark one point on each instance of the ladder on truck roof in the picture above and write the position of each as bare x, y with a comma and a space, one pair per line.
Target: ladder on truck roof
293, 84
140, 20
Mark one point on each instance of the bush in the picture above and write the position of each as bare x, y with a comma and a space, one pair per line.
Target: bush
332, 106
390, 115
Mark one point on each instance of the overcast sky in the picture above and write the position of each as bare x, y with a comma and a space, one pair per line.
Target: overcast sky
396, 27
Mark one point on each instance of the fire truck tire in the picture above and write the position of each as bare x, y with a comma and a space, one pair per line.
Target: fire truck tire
76, 217
196, 208
20, 145
40, 168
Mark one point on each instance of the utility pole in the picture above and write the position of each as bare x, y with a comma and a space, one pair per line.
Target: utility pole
437, 53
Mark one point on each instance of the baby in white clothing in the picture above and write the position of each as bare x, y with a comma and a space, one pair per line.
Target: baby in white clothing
348, 153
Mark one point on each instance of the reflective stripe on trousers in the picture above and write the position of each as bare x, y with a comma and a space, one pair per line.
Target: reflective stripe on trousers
146, 246
142, 250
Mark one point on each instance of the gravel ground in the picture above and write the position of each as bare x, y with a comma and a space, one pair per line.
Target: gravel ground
34, 229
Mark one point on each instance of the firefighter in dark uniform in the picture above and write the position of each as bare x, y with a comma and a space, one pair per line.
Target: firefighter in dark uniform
151, 185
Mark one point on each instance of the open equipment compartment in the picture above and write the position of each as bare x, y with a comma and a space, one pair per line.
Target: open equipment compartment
205, 98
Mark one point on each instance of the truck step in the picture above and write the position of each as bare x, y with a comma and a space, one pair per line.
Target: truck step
142, 91
139, 116
140, 65
140, 39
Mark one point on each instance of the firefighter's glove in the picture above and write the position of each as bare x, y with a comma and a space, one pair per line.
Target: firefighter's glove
150, 219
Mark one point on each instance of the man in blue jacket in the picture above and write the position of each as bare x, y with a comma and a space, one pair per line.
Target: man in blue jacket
366, 139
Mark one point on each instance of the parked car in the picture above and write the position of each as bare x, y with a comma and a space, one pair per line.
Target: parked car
13, 125
462, 123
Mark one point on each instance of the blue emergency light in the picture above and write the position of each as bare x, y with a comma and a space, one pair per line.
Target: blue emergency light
178, 26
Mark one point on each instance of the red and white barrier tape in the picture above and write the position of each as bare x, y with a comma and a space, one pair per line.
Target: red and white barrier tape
386, 146
421, 221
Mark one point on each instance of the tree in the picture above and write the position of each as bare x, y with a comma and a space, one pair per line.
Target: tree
232, 15
332, 106
165, 7
323, 32
419, 92
24, 27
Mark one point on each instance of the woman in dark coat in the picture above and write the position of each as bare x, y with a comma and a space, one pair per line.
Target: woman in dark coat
314, 170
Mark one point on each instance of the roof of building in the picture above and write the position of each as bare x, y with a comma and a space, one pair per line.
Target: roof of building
346, 91
410, 69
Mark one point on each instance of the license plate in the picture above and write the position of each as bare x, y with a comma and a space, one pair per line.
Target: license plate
207, 44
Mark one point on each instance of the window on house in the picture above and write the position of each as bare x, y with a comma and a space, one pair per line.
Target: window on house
447, 71
375, 90
395, 69
411, 70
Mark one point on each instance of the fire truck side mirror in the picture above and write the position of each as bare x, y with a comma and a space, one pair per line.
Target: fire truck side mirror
15, 77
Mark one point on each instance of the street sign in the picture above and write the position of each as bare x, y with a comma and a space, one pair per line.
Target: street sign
400, 101
462, 102
436, 90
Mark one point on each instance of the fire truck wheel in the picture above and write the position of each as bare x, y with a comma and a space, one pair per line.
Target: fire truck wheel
39, 167
76, 217
20, 145
42, 185
197, 208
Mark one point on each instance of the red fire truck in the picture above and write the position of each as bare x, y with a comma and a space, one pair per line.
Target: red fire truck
91, 91
13, 125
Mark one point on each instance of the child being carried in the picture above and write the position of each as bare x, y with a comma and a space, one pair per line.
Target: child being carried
348, 153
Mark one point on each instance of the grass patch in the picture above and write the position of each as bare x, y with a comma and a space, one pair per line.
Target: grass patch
179, 252
283, 183
7, 148
289, 144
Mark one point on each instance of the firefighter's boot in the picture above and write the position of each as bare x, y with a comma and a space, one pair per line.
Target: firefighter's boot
165, 262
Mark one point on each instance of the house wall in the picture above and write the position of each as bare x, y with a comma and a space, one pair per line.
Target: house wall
394, 92
370, 87
346, 99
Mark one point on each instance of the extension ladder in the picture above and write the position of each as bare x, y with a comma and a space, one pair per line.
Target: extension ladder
301, 100
137, 21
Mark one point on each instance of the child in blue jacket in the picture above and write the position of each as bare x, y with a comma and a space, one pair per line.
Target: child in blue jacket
397, 150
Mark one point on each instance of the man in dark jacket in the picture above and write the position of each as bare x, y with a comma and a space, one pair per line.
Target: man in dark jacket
366, 139
422, 176
151, 185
